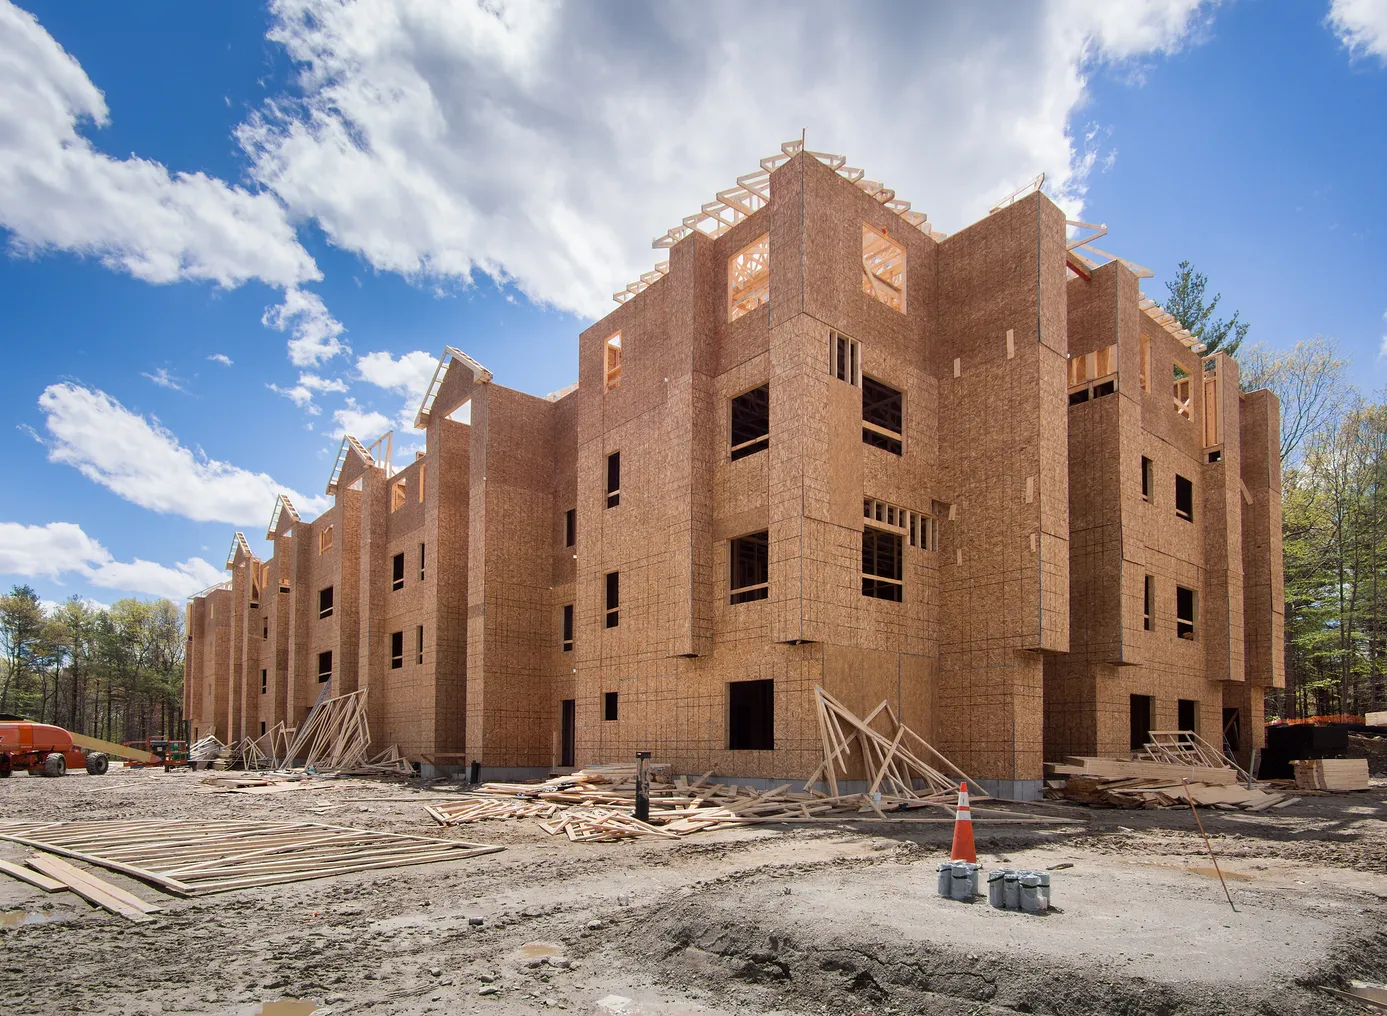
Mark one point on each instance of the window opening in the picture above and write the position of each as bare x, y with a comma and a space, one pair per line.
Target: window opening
1184, 498
568, 627
397, 572
325, 667
749, 278
419, 645
397, 650
1146, 478
264, 682
1181, 389
845, 359
750, 556
324, 603
751, 715
1140, 712
265, 634
1145, 374
397, 495
262, 727
1148, 602
613, 361
883, 268
421, 482
613, 598
882, 575
570, 527
613, 479
422, 558
1187, 714
609, 706
325, 540
1184, 613
881, 415
751, 422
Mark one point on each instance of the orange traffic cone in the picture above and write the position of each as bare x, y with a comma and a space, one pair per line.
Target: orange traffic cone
964, 850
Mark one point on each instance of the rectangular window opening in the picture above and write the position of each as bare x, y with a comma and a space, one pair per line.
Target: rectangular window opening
1139, 715
750, 557
751, 715
419, 645
1104, 388
1184, 498
325, 667
1181, 389
613, 479
264, 682
751, 422
568, 627
845, 359
570, 527
1187, 715
397, 572
1184, 613
397, 650
421, 483
262, 728
1146, 478
324, 540
324, 603
881, 415
265, 635
613, 599
609, 706
1148, 608
613, 361
397, 495
882, 575
422, 558
1145, 363
1081, 396
749, 278
883, 268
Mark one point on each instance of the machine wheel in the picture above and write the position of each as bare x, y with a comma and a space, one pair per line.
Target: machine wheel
97, 764
6, 766
55, 764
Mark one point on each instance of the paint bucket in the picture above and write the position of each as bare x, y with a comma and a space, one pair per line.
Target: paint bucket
962, 882
1011, 890
1044, 890
946, 880
1030, 893
994, 889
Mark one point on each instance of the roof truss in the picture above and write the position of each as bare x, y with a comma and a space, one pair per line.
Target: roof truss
451, 354
238, 545
349, 443
282, 506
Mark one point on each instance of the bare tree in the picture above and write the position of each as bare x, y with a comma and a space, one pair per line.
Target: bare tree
1309, 379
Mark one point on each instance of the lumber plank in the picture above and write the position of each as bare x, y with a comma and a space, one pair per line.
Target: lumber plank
94, 890
34, 878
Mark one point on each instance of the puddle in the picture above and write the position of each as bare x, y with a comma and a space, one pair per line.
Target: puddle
16, 918
540, 950
288, 1007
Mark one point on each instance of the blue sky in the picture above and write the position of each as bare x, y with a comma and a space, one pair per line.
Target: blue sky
326, 195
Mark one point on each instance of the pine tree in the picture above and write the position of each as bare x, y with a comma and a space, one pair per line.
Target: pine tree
1186, 303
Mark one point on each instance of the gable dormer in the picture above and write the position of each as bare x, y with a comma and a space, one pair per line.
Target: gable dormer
455, 379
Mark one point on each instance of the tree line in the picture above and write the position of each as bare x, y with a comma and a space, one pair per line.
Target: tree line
114, 672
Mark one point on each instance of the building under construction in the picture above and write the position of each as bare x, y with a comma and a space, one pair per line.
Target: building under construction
979, 476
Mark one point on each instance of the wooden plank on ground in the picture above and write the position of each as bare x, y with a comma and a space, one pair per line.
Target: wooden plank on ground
48, 885
94, 890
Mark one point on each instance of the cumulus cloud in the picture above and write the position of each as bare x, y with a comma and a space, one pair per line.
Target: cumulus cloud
315, 331
140, 460
220, 358
363, 424
408, 375
301, 393
57, 192
61, 549
1361, 26
541, 143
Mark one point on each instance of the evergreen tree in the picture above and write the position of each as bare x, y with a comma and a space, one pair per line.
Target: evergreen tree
1186, 303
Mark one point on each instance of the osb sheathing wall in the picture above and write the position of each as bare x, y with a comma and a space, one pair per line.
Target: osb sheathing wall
1003, 449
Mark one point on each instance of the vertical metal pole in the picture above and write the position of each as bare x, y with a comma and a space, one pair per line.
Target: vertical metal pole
642, 788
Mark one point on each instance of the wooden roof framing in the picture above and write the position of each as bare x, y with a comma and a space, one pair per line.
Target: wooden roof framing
238, 546
753, 192
450, 355
225, 584
283, 506
349, 443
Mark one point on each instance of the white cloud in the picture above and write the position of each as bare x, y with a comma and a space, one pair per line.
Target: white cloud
540, 144
301, 394
57, 192
51, 607
140, 460
1361, 26
409, 376
164, 379
363, 424
315, 330
220, 358
62, 548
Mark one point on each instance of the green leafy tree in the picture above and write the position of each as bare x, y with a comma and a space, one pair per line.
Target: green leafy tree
1186, 303
21, 642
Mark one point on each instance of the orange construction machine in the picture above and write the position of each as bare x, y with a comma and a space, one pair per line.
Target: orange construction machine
42, 749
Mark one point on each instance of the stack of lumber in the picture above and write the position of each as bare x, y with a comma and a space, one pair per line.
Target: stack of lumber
597, 804
206, 750
193, 858
335, 736
1331, 774
1143, 783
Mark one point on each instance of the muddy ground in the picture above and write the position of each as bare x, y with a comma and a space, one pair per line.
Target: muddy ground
831, 918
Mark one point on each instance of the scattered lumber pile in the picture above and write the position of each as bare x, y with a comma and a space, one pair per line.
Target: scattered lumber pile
52, 874
1175, 767
206, 750
1331, 774
335, 736
597, 804
192, 858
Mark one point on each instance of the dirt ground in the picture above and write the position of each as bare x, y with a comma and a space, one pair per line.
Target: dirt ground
830, 918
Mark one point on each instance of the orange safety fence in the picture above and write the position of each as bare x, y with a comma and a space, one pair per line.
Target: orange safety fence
1318, 721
